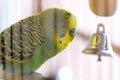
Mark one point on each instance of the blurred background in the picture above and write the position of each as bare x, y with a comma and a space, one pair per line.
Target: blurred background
71, 64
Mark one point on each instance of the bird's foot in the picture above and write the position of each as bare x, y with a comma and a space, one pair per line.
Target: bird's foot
33, 76
38, 76
25, 76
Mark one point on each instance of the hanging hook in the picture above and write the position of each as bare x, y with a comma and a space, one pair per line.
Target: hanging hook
100, 28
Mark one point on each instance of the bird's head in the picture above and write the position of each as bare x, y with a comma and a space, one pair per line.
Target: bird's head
65, 29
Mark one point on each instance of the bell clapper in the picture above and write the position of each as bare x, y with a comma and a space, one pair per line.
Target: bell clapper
99, 58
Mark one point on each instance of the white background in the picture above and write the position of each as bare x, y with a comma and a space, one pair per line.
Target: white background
81, 66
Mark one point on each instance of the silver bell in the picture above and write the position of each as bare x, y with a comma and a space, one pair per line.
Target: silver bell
99, 44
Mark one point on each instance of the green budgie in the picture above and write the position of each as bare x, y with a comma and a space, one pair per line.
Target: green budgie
27, 44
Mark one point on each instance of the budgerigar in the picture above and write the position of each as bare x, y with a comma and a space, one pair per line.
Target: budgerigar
27, 44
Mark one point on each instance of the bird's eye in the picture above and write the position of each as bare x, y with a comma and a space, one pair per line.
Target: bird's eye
72, 32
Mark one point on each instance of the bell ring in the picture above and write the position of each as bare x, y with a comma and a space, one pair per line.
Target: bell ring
98, 44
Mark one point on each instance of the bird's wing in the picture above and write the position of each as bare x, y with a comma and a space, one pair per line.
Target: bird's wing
19, 42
